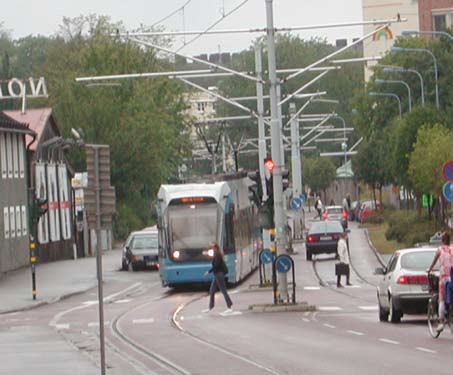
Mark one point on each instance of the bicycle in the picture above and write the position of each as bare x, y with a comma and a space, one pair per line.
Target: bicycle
433, 307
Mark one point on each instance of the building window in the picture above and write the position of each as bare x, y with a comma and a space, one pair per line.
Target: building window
201, 106
442, 19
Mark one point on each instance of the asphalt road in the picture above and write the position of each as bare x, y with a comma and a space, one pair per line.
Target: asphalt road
152, 330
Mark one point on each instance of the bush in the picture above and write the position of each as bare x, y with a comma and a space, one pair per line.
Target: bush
408, 228
375, 218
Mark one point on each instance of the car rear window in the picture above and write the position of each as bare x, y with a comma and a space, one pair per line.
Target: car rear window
326, 227
335, 210
144, 242
417, 260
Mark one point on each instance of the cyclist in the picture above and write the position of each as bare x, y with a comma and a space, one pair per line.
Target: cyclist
445, 254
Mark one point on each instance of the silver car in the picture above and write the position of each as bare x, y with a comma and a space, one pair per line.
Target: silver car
403, 288
140, 249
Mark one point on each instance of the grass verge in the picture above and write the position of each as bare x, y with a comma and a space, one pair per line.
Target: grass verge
377, 237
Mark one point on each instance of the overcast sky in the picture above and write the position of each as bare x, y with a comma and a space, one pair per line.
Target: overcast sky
25, 17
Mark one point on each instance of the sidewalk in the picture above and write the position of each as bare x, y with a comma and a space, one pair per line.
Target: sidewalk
54, 281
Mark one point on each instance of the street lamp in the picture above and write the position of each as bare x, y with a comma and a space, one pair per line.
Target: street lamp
383, 81
389, 94
436, 74
399, 69
415, 32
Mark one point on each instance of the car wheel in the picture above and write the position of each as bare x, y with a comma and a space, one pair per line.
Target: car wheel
395, 315
309, 255
383, 314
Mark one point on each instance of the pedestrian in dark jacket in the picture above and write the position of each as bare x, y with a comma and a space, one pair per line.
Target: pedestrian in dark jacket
219, 270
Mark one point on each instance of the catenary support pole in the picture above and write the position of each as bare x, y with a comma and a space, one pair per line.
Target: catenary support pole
275, 151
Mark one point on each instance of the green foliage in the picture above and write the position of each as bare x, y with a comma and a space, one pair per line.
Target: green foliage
408, 228
374, 218
432, 149
319, 173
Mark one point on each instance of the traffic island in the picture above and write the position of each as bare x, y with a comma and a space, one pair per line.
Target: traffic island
289, 307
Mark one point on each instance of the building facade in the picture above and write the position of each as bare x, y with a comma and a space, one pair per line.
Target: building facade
14, 218
382, 41
435, 15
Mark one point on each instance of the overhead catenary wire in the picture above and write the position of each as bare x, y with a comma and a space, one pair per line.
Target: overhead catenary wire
213, 25
171, 14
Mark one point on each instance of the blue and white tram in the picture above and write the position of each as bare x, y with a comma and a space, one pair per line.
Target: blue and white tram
191, 216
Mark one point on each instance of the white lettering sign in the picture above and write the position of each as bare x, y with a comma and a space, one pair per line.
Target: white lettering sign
17, 88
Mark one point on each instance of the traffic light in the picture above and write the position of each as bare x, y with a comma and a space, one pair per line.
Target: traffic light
255, 190
42, 206
269, 164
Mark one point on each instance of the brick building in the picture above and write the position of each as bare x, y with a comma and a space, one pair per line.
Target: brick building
435, 15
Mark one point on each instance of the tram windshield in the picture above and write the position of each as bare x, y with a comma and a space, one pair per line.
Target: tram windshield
192, 226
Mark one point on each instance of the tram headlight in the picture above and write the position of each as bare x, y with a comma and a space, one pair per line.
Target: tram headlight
176, 254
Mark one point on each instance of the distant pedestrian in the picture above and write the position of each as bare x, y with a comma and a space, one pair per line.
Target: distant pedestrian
318, 207
332, 202
347, 204
342, 268
219, 269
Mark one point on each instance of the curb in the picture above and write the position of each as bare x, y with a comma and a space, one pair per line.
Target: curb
376, 253
298, 307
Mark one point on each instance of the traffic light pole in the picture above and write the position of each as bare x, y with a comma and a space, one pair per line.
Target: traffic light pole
276, 151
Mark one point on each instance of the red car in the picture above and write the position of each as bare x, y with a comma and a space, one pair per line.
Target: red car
367, 208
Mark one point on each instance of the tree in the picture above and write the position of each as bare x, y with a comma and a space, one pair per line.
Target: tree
319, 174
431, 150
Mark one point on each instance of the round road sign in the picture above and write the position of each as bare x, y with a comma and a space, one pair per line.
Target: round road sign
447, 170
266, 256
448, 191
283, 263
296, 203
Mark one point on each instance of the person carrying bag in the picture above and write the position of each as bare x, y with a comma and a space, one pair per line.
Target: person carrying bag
342, 268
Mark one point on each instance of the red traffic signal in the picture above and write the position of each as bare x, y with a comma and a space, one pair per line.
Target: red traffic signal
269, 164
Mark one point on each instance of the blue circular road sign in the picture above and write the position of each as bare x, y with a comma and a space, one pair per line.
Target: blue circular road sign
302, 197
448, 191
296, 203
283, 263
266, 256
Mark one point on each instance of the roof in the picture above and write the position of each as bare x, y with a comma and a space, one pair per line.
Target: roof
13, 126
216, 190
36, 118
345, 170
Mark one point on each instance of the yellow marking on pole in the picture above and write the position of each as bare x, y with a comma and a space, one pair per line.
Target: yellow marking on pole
33, 259
32, 245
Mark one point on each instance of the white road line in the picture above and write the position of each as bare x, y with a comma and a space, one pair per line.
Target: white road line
328, 325
62, 326
387, 341
306, 320
352, 286
312, 288
329, 308
425, 350
369, 308
357, 333
123, 301
143, 321
96, 324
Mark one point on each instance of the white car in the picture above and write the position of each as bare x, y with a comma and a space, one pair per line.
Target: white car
403, 288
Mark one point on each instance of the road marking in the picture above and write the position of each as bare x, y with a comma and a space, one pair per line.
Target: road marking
96, 324
89, 303
306, 320
312, 288
352, 286
369, 308
329, 308
387, 341
230, 313
357, 333
123, 301
425, 350
62, 326
328, 325
143, 321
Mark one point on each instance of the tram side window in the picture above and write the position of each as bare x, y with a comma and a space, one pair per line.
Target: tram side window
229, 223
162, 243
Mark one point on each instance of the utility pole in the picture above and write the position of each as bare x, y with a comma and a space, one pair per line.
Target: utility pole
280, 231
295, 152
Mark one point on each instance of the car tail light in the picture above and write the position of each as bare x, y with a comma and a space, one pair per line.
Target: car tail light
325, 215
158, 265
312, 238
412, 279
344, 214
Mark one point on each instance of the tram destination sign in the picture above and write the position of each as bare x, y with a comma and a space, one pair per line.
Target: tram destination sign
16, 88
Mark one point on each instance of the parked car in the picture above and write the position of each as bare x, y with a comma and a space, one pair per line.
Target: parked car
337, 213
367, 208
322, 237
403, 286
140, 249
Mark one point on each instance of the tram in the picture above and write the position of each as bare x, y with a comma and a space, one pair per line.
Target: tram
193, 215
